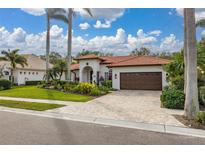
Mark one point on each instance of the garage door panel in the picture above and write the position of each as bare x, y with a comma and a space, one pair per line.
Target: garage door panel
141, 81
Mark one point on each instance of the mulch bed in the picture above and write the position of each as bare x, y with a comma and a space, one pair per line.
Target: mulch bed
189, 123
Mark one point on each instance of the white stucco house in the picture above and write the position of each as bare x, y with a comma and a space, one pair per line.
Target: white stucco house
126, 72
34, 71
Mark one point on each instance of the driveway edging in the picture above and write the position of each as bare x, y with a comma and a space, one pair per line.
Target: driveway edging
118, 123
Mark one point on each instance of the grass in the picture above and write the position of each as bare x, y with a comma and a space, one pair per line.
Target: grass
29, 105
40, 93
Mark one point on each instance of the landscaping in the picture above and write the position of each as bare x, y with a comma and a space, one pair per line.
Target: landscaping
29, 105
83, 88
40, 93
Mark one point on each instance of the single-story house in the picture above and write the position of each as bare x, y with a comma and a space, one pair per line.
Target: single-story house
34, 71
126, 72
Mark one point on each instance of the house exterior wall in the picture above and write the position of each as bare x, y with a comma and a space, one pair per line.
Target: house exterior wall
103, 69
74, 74
117, 70
94, 64
21, 76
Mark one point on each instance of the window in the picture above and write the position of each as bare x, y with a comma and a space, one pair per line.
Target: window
106, 76
110, 74
24, 72
36, 73
20, 72
33, 73
29, 73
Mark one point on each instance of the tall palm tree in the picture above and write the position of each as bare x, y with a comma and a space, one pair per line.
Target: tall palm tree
51, 13
71, 13
14, 58
67, 17
185, 52
191, 99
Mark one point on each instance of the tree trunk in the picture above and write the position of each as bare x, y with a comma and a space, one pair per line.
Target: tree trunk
185, 52
191, 100
47, 47
12, 76
68, 58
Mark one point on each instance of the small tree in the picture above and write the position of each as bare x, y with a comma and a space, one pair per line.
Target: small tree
141, 52
14, 58
60, 68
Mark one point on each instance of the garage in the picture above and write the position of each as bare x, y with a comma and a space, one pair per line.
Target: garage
141, 81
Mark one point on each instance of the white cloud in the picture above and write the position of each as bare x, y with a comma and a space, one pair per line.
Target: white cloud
84, 26
170, 43
34, 11
140, 40
99, 24
103, 13
155, 32
199, 13
119, 44
56, 31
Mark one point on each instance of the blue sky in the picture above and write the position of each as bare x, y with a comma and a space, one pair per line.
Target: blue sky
111, 30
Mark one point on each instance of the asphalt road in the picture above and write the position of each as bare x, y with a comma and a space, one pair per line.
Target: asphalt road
29, 129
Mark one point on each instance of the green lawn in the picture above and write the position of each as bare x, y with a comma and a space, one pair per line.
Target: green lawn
29, 105
39, 93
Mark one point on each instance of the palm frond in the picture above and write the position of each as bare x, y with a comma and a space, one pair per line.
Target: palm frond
88, 10
60, 17
200, 23
3, 59
15, 51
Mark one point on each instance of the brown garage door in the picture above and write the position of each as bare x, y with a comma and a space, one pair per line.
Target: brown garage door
141, 81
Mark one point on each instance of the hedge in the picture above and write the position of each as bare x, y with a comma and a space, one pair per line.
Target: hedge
5, 84
32, 82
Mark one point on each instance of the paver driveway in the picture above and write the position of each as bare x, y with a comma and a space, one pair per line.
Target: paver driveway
139, 106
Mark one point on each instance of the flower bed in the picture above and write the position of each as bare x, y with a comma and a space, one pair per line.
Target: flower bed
78, 88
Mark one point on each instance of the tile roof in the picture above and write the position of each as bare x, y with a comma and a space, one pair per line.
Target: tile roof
140, 61
114, 59
34, 63
119, 61
75, 67
90, 56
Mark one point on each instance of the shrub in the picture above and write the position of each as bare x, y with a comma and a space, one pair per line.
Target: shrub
172, 98
96, 92
200, 117
32, 82
107, 83
84, 88
202, 95
105, 89
5, 84
69, 86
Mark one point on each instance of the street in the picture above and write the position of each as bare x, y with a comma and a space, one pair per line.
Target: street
29, 129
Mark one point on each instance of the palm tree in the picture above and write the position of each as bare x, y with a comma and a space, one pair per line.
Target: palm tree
71, 13
14, 58
191, 99
67, 17
54, 13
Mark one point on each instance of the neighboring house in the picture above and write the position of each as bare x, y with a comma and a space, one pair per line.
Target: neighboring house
126, 72
34, 71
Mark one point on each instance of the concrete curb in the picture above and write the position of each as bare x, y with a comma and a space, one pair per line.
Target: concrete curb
117, 123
